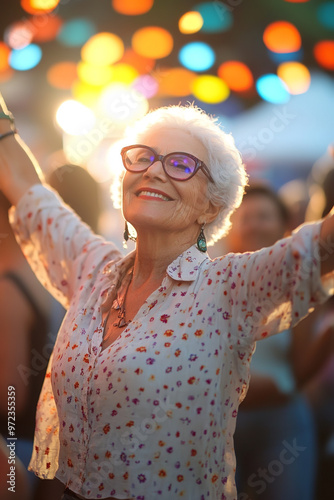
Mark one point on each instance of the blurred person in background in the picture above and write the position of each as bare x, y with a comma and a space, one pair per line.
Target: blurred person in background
274, 411
320, 389
80, 191
26, 338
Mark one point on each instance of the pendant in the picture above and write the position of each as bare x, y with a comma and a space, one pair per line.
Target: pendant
122, 321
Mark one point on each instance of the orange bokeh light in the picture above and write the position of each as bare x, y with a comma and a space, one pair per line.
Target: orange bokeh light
282, 37
176, 81
237, 75
140, 63
4, 54
62, 75
48, 30
132, 7
324, 53
153, 42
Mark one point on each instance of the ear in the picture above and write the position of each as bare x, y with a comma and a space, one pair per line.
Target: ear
209, 215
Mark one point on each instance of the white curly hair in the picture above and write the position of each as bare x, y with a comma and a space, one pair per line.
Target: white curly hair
224, 160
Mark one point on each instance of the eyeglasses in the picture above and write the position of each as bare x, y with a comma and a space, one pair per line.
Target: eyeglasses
178, 166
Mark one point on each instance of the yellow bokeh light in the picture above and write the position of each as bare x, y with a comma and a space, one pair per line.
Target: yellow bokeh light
44, 4
86, 94
39, 6
190, 22
93, 74
75, 118
124, 73
210, 89
296, 76
102, 49
153, 42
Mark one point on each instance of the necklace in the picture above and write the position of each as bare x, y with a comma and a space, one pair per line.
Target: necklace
119, 304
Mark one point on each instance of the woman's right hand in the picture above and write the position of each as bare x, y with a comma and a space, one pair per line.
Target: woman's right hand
19, 169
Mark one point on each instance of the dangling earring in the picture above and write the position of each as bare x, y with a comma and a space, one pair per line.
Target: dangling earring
127, 236
201, 241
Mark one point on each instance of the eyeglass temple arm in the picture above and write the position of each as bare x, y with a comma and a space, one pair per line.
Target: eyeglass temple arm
207, 172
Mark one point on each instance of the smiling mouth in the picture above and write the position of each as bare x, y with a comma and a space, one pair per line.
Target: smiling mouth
152, 194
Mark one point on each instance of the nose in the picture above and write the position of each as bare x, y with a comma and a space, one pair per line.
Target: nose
156, 169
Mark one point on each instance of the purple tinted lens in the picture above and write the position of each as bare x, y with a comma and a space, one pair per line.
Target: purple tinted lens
180, 166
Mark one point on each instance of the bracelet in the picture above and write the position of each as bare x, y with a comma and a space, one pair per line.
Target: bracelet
11, 132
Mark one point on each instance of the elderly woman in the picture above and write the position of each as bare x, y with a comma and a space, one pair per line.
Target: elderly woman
152, 360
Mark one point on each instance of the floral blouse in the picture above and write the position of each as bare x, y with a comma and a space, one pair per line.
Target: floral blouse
152, 416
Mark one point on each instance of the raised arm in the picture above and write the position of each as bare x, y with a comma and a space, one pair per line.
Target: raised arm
19, 169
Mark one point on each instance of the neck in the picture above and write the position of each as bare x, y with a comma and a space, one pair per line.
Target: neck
154, 253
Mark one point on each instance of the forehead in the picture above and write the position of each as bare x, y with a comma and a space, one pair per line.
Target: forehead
169, 140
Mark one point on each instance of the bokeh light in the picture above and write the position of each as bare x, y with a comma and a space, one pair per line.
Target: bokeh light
272, 89
282, 36
132, 7
146, 85
296, 76
76, 32
39, 6
325, 14
85, 93
153, 42
102, 49
280, 58
93, 74
4, 56
237, 75
75, 118
217, 16
26, 58
18, 35
123, 104
324, 53
190, 22
140, 63
197, 56
47, 30
210, 89
123, 73
176, 82
62, 75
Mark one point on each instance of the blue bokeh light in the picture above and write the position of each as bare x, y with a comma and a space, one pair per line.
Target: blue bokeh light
280, 57
76, 32
197, 56
216, 16
325, 14
26, 58
272, 89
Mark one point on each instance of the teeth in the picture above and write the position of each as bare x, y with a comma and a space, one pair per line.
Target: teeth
154, 195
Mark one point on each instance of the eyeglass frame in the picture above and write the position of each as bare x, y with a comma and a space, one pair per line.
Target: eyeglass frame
199, 164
